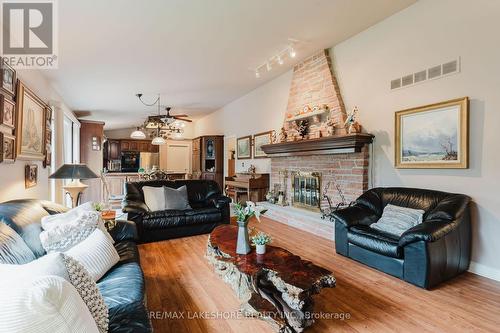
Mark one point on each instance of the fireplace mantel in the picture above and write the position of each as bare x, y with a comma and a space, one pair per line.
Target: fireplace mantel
338, 144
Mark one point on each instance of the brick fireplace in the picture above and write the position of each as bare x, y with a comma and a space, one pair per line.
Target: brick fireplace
339, 162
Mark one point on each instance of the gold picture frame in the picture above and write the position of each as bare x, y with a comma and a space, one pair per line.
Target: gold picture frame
31, 125
259, 140
7, 148
244, 148
434, 136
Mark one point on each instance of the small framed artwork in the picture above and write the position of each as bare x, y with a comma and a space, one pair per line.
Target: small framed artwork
8, 82
30, 133
433, 136
244, 148
30, 175
7, 148
258, 141
7, 112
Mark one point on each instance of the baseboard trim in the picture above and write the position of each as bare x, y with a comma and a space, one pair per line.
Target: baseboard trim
485, 271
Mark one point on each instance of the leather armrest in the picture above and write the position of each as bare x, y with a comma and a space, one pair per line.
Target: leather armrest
356, 214
450, 208
428, 231
136, 207
219, 201
124, 230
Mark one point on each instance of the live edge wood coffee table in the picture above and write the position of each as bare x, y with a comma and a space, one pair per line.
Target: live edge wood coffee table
276, 287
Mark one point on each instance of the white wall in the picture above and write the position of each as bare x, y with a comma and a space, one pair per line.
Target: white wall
427, 33
12, 175
261, 110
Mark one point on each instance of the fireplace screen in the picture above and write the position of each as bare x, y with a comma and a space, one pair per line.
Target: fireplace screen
306, 190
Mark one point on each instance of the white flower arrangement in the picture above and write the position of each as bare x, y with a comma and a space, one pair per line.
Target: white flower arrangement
244, 213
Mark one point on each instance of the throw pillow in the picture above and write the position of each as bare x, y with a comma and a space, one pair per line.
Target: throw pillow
62, 265
13, 249
396, 220
52, 221
176, 198
96, 253
154, 198
64, 236
45, 304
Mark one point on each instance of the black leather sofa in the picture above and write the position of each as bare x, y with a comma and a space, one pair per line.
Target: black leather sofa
425, 255
209, 209
122, 287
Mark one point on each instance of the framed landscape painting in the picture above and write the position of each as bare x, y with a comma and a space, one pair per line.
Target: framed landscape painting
433, 136
244, 147
258, 141
30, 131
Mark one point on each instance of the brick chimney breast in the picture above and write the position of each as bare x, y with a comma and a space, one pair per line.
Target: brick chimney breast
314, 84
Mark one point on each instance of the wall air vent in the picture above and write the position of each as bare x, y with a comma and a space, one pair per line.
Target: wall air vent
434, 72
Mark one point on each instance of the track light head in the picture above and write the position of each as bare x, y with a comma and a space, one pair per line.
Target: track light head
257, 74
280, 60
268, 66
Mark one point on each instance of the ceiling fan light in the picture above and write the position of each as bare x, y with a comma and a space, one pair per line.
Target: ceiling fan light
138, 134
158, 141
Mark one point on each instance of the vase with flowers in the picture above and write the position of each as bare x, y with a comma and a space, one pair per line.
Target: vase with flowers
260, 240
243, 215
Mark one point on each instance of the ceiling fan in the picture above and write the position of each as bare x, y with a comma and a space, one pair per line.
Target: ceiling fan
168, 118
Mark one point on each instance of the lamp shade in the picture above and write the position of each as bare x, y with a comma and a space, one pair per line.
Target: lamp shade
158, 141
73, 171
138, 134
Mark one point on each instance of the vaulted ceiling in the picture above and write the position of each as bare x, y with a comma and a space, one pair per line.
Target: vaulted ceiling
196, 53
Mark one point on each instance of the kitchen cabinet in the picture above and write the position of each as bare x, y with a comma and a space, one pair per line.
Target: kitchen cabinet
114, 150
208, 158
124, 145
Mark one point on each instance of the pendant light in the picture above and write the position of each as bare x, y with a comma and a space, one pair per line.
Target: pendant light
138, 134
158, 141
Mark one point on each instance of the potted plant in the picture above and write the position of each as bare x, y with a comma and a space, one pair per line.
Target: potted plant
243, 214
260, 240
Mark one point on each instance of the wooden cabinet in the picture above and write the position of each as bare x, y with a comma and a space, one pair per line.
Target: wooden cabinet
116, 185
114, 150
144, 146
138, 145
208, 158
125, 145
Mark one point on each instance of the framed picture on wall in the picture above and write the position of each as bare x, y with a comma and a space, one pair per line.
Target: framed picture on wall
258, 141
30, 134
8, 82
244, 147
433, 136
30, 175
7, 148
7, 112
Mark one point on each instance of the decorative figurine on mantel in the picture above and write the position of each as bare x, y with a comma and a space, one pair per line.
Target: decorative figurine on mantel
283, 135
330, 126
303, 129
351, 124
251, 169
274, 137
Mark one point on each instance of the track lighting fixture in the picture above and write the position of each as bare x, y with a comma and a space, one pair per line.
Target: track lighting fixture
279, 58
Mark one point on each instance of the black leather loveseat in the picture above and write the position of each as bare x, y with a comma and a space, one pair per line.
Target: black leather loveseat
122, 287
425, 255
209, 209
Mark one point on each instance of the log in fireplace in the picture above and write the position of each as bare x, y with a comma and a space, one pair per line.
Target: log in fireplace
306, 190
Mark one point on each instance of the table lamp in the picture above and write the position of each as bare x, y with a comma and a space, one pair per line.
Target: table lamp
75, 172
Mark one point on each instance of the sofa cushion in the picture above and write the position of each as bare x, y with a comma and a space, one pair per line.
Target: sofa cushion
374, 240
175, 218
176, 198
13, 250
123, 291
203, 215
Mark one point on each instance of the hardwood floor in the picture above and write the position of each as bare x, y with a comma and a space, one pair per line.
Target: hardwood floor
181, 284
